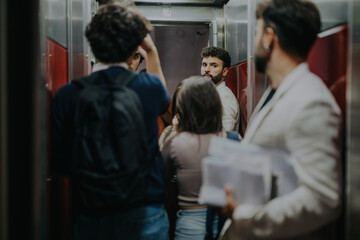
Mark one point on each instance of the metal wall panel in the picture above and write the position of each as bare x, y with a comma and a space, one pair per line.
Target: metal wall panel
239, 36
168, 12
79, 12
353, 128
333, 12
56, 24
176, 1
257, 83
236, 23
185, 2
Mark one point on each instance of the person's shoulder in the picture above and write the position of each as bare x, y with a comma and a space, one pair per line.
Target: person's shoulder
150, 85
311, 88
148, 79
181, 139
223, 89
66, 91
191, 139
226, 93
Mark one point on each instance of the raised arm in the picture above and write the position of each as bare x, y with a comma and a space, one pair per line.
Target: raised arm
151, 55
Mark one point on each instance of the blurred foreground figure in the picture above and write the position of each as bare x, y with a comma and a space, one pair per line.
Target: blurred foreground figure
105, 134
298, 114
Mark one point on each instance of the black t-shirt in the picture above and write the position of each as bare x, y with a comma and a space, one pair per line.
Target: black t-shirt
271, 94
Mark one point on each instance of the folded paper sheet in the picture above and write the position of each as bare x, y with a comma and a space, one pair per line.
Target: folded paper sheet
254, 173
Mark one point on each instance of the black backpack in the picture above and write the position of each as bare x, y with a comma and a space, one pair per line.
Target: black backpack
110, 160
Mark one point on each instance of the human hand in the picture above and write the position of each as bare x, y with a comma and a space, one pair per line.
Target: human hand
175, 122
142, 52
231, 204
148, 45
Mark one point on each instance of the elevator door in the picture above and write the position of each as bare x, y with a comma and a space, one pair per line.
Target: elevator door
179, 49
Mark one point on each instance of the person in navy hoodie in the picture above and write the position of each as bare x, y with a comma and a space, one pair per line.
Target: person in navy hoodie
114, 34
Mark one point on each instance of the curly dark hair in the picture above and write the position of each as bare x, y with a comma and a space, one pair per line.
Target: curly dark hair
199, 106
115, 32
296, 23
220, 53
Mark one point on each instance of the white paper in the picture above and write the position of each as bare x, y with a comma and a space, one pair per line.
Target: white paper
248, 170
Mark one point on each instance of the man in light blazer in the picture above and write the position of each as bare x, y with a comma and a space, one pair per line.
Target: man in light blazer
298, 114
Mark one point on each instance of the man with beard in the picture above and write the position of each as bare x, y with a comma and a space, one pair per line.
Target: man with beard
215, 63
297, 114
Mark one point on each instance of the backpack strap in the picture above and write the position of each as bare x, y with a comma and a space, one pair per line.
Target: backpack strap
81, 82
89, 79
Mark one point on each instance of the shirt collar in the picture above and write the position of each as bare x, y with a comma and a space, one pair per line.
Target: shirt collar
221, 85
103, 66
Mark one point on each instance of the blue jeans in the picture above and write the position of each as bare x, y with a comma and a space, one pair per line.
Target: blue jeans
149, 222
191, 224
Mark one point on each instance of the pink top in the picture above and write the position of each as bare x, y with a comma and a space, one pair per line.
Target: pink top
182, 156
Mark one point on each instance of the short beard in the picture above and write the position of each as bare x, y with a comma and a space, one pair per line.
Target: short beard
261, 63
215, 79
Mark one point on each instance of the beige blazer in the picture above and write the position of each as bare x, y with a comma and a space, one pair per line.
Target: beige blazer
303, 119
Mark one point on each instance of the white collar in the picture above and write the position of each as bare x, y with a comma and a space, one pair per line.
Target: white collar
221, 85
102, 66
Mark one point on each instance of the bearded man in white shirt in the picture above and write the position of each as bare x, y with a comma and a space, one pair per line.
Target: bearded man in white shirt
215, 63
299, 115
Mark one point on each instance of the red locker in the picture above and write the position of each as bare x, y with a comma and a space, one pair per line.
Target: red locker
328, 59
56, 66
237, 82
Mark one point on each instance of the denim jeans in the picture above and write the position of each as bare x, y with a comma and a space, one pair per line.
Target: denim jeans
191, 224
149, 222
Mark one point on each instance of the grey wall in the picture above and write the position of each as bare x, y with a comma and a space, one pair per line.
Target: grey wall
179, 49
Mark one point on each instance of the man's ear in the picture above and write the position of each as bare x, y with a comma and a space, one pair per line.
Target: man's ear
268, 38
225, 71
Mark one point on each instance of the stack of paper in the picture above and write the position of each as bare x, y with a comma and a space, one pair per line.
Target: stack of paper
255, 174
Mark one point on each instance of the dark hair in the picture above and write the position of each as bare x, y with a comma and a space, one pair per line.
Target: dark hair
220, 53
199, 107
115, 32
173, 105
295, 22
